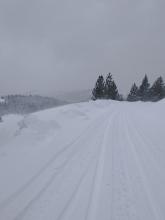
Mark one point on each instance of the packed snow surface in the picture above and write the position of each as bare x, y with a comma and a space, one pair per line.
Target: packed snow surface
100, 160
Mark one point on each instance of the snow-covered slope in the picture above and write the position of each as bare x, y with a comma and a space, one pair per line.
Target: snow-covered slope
88, 161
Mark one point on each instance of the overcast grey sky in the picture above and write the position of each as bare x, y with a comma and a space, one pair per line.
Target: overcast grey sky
52, 45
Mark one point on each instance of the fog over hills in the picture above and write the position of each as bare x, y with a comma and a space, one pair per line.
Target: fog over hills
74, 96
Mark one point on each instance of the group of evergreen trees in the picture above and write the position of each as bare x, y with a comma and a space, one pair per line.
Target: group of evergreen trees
107, 89
145, 92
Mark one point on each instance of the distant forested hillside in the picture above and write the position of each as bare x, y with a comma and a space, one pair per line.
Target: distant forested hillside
21, 104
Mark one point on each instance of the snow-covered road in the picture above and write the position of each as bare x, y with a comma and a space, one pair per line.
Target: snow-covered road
89, 161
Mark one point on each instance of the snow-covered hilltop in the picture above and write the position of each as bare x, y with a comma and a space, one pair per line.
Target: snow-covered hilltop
87, 161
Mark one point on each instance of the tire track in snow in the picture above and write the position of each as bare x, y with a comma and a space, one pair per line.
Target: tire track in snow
70, 206
47, 165
147, 145
147, 160
27, 208
132, 190
97, 179
115, 202
146, 142
50, 180
35, 199
122, 207
144, 180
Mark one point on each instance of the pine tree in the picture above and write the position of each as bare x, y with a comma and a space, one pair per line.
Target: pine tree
143, 92
111, 91
157, 90
108, 86
98, 91
133, 94
114, 91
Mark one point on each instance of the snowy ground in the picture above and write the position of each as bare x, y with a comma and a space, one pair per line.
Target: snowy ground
91, 161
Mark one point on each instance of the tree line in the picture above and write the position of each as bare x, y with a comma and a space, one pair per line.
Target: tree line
107, 89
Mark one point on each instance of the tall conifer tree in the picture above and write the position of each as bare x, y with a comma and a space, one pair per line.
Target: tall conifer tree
157, 90
143, 92
108, 86
114, 91
98, 91
111, 91
133, 95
